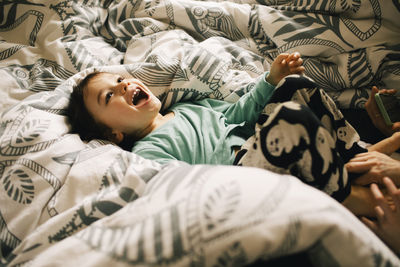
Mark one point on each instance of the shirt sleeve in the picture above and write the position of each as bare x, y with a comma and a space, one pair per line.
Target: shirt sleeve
249, 106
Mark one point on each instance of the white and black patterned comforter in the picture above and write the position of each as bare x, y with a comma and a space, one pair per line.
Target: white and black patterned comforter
64, 202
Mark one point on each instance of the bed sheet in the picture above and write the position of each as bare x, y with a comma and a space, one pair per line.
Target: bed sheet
64, 201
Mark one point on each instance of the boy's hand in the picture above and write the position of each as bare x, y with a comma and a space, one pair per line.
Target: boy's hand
284, 65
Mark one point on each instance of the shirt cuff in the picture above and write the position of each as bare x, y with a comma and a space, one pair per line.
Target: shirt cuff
265, 77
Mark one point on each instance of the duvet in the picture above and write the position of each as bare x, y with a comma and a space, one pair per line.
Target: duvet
64, 202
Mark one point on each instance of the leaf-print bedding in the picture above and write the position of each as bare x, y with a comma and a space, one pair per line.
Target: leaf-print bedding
66, 202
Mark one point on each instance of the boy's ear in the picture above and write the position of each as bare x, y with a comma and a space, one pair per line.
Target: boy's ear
117, 136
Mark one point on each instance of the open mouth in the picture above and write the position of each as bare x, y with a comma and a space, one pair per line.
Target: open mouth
139, 96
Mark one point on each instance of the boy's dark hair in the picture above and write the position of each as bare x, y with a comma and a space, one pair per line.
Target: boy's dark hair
82, 121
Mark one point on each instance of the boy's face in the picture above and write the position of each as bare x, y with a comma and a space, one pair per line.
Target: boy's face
124, 105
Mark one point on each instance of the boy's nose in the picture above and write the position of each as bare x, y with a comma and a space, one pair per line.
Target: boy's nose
122, 87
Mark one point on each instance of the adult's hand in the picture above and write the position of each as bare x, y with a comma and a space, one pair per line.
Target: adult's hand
375, 114
387, 226
374, 166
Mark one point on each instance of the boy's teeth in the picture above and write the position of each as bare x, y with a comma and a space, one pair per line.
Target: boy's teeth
135, 93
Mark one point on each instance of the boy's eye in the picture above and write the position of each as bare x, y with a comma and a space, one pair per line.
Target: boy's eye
108, 96
120, 79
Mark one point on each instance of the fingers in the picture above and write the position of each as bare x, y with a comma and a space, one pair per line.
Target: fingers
359, 166
294, 59
376, 192
370, 155
364, 163
362, 156
287, 58
391, 187
380, 215
297, 70
374, 90
294, 56
393, 191
282, 58
388, 91
383, 207
295, 63
396, 127
372, 225
370, 105
367, 176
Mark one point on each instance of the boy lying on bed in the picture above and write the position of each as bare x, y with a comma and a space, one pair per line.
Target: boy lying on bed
209, 131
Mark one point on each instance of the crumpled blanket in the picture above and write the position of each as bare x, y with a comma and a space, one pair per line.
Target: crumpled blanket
67, 202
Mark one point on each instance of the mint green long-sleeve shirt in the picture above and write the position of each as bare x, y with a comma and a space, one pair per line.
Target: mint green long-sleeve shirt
206, 131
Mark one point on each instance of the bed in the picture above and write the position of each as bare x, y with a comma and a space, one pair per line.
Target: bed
66, 202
